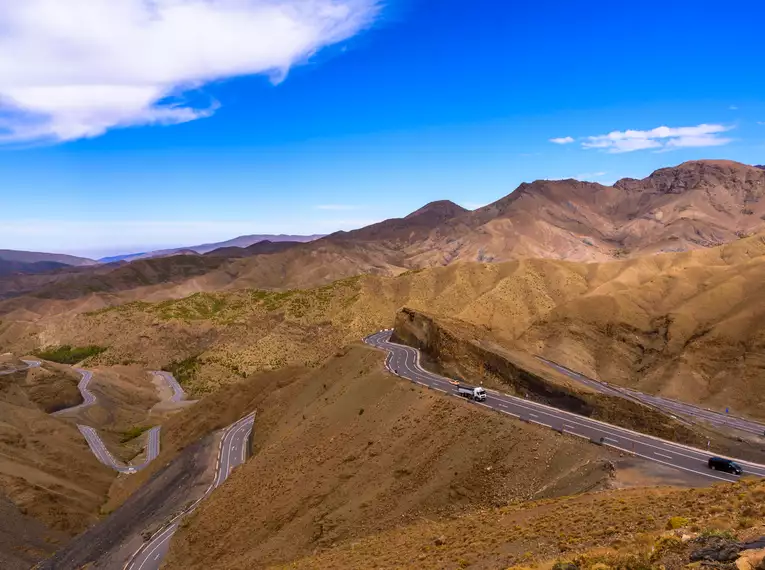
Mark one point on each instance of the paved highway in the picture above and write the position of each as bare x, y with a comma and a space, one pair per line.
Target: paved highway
665, 404
405, 362
95, 442
232, 451
98, 448
29, 364
178, 393
88, 398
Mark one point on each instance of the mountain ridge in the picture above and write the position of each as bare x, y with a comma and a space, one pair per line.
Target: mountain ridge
694, 205
239, 241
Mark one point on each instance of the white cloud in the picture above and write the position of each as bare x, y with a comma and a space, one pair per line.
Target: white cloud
662, 138
473, 205
338, 207
733, 108
71, 69
562, 140
761, 122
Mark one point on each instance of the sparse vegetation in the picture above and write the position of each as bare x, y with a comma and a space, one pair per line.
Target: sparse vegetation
133, 433
621, 252
67, 354
185, 370
676, 522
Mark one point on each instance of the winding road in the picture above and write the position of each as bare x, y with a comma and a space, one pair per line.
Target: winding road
95, 442
665, 404
404, 361
232, 451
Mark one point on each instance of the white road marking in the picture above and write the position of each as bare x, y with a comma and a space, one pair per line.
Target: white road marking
587, 423
662, 455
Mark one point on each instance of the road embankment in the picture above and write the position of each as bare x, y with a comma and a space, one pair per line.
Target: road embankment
454, 349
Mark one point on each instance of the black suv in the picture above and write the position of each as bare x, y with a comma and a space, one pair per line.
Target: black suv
722, 464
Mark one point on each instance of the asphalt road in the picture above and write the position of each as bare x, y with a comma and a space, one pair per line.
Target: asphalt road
95, 442
88, 398
668, 405
29, 364
404, 361
98, 448
178, 393
232, 452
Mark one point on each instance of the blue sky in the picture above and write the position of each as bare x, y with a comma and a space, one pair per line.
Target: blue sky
194, 126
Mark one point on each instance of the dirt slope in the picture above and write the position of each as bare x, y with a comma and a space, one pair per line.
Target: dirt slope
687, 325
354, 451
46, 469
616, 529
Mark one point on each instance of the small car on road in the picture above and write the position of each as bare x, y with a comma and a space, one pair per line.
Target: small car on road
727, 465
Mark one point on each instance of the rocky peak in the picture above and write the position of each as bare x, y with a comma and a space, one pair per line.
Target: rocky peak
440, 209
693, 174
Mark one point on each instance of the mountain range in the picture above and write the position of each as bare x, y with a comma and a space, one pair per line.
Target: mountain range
694, 205
240, 242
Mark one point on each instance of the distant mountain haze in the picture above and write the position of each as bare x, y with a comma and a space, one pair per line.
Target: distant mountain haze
35, 257
241, 242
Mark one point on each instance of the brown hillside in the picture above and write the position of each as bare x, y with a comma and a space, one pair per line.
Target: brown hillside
355, 451
687, 325
47, 470
615, 529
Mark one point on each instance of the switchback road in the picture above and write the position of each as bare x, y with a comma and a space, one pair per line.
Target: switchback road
404, 361
232, 452
665, 404
104, 456
95, 442
88, 398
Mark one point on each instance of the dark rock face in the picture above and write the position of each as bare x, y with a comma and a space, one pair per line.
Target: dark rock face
716, 549
565, 566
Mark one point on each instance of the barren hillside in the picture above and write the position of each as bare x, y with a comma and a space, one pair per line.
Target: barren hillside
643, 528
687, 325
355, 451
47, 471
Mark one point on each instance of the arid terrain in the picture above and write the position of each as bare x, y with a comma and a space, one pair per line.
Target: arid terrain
692, 206
652, 284
662, 324
51, 485
346, 451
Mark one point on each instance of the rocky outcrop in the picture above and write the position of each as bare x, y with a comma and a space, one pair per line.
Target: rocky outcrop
456, 349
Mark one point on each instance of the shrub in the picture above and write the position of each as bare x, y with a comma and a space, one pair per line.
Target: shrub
67, 354
676, 522
708, 532
746, 522
185, 371
133, 433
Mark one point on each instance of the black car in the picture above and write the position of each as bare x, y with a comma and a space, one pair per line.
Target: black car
722, 464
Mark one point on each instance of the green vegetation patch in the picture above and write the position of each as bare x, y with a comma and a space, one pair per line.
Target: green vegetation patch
199, 306
185, 371
67, 354
133, 433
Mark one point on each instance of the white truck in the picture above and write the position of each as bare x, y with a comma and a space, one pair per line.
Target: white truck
476, 393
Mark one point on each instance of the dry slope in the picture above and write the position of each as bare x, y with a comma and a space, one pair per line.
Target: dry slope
688, 325
355, 451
